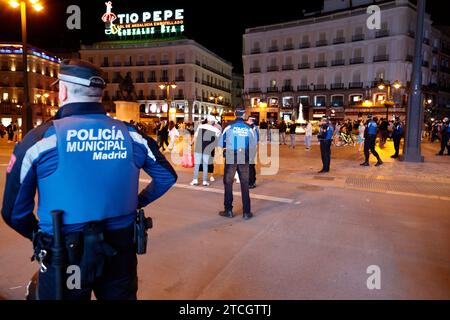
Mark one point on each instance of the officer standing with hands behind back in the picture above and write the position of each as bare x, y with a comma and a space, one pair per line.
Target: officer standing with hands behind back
325, 137
239, 143
397, 135
87, 165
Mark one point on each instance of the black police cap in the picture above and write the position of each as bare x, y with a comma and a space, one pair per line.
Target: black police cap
239, 112
82, 73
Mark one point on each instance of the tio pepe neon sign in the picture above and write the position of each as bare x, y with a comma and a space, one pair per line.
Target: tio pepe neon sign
146, 23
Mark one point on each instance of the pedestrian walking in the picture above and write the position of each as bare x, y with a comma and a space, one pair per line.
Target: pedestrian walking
361, 134
370, 142
292, 128
253, 155
308, 136
282, 128
205, 140
174, 135
87, 165
238, 140
445, 137
325, 137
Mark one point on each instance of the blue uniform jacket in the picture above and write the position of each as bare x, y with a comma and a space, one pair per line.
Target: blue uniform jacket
86, 164
240, 140
372, 128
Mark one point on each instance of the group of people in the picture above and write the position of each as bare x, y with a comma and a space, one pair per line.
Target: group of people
438, 130
367, 136
11, 131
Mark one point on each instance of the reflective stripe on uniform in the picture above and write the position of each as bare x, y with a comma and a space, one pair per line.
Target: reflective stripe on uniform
34, 152
140, 139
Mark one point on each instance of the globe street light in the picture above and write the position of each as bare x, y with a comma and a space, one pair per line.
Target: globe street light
26, 111
168, 86
216, 99
388, 101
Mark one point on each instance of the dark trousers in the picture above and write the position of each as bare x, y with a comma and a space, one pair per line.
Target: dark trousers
397, 145
228, 179
325, 151
444, 144
369, 145
118, 280
252, 174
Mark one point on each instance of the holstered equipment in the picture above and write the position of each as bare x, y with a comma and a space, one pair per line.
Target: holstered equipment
142, 225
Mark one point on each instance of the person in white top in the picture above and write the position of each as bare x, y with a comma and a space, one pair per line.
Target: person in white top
174, 134
308, 136
361, 130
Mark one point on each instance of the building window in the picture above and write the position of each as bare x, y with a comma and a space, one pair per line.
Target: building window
5, 96
337, 101
288, 102
320, 101
303, 101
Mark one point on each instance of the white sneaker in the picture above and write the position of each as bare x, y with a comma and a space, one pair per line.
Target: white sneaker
212, 179
205, 184
194, 182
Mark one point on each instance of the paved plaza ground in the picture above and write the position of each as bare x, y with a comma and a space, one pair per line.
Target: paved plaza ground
313, 236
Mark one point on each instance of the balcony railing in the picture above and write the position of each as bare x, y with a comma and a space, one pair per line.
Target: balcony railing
180, 79
304, 65
288, 89
273, 90
164, 62
434, 69
411, 34
318, 87
409, 58
321, 43
380, 58
435, 49
303, 87
355, 85
152, 80
256, 51
288, 47
358, 37
321, 64
339, 62
255, 70
254, 90
164, 79
116, 80
152, 97
105, 64
140, 63
128, 64
152, 63
337, 86
272, 69
117, 64
339, 40
287, 67
425, 64
305, 45
273, 49
180, 61
140, 80
426, 41
382, 34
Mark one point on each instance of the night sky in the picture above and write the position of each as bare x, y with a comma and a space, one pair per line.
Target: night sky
218, 25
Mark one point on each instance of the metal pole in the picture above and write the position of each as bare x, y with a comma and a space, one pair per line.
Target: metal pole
168, 102
412, 148
27, 115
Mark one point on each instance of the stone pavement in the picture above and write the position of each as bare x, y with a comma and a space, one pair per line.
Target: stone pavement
313, 236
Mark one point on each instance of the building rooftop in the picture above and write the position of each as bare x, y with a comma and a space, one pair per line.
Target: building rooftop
16, 48
150, 43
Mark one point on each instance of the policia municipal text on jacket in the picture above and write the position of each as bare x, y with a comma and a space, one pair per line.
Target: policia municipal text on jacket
87, 165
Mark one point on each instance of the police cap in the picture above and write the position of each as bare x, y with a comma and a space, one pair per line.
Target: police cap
369, 116
82, 73
239, 113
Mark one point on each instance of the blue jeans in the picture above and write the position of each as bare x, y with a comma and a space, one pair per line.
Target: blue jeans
308, 141
200, 158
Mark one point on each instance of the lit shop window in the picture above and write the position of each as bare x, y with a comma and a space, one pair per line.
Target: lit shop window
320, 101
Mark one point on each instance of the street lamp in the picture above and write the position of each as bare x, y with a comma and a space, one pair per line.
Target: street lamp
388, 101
216, 99
37, 6
167, 86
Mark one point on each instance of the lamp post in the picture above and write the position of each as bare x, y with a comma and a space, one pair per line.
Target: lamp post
396, 85
216, 99
27, 114
167, 86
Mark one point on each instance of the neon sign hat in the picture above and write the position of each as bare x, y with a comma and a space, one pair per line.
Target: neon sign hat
82, 73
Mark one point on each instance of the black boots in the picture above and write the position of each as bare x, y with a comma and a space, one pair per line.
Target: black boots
379, 163
365, 164
226, 214
248, 216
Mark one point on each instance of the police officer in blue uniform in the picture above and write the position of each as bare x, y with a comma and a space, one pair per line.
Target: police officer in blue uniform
86, 164
252, 179
445, 133
239, 142
370, 142
325, 137
397, 136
